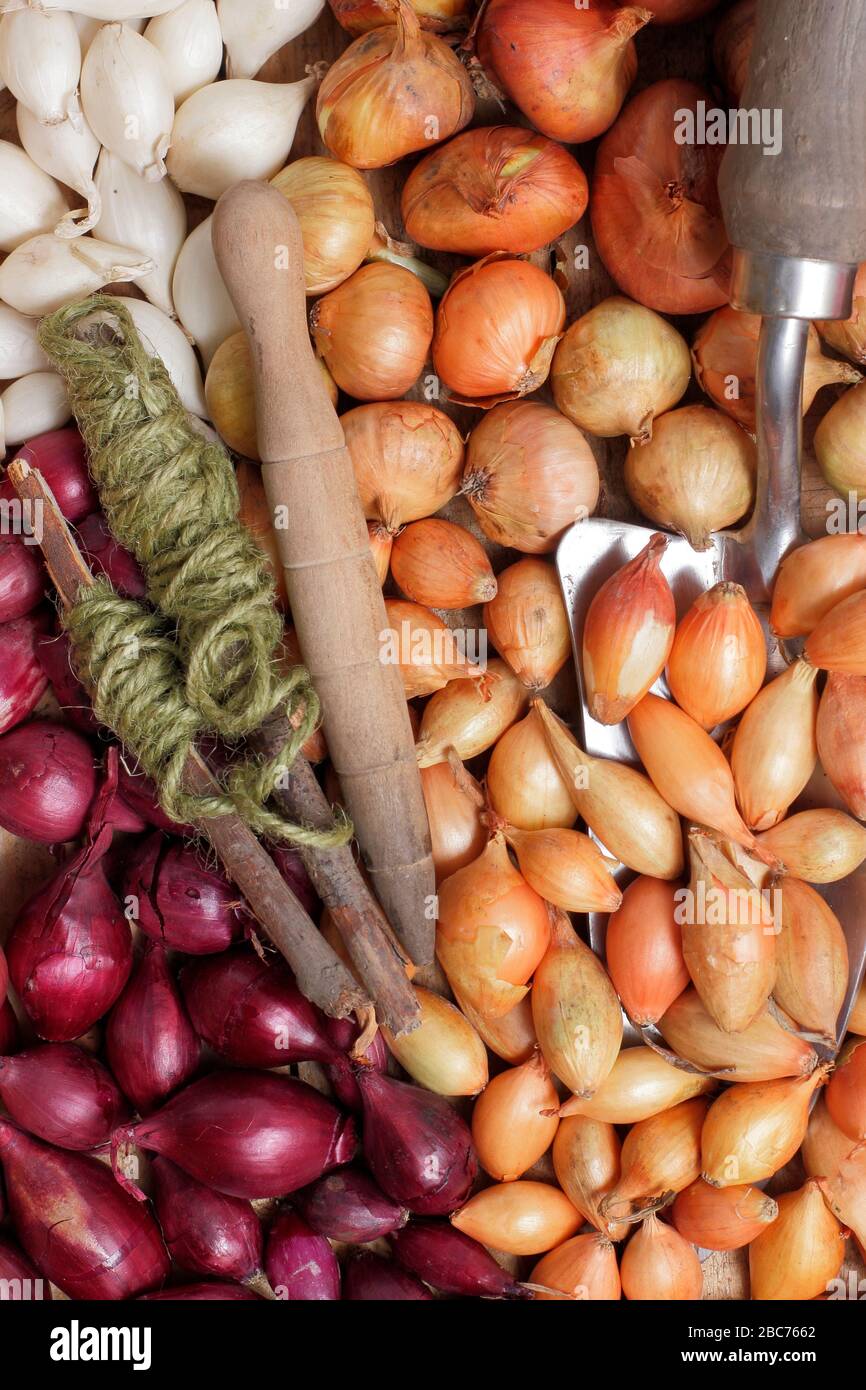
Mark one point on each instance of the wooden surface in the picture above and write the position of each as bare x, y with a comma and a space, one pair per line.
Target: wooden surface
668, 52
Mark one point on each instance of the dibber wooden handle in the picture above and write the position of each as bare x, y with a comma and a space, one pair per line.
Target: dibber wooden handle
809, 199
334, 592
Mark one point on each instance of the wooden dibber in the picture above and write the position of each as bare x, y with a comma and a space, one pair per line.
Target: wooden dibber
320, 974
335, 596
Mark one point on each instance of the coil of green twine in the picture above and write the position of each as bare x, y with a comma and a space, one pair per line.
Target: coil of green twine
207, 657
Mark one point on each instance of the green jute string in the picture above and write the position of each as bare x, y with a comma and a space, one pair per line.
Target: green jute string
170, 496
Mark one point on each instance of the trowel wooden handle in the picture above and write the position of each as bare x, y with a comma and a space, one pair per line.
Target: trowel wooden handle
334, 592
806, 75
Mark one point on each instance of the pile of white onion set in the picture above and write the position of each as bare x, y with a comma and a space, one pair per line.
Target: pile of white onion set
608, 1167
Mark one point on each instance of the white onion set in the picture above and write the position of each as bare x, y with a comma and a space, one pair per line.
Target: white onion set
232, 130
253, 30
20, 352
149, 216
201, 300
47, 272
69, 155
189, 41
33, 405
30, 200
163, 338
40, 63
127, 98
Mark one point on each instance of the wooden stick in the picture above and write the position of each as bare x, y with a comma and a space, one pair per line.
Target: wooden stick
375, 952
334, 592
320, 974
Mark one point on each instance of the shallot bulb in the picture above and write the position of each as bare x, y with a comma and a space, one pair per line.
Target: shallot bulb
497, 327
567, 67
90, 1238
30, 200
584, 1267
300, 1265
40, 63
521, 1218
566, 867
725, 354
618, 367
335, 212
774, 749
22, 578
525, 785
206, 1232
268, 1135
838, 443
492, 932
367, 1278
754, 1129
442, 565
60, 1093
19, 1279
499, 188
586, 1160
469, 716
658, 1264
660, 1157
821, 846
848, 336
765, 1051
718, 659
655, 205
530, 474
846, 1092
644, 952
348, 1206
424, 648
399, 68
815, 577
722, 1218
527, 622
453, 800
639, 1085
811, 960
61, 458
150, 1043
515, 1119
628, 634
576, 1012
417, 1147
696, 475
68, 153
22, 678
448, 1260
840, 734
444, 1053
176, 900
800, 1252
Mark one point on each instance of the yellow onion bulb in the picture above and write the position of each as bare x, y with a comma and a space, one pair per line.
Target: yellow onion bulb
813, 578
586, 1160
527, 622
719, 657
811, 960
230, 392
565, 867
444, 1053
519, 1218
627, 635
334, 208
524, 784
497, 326
841, 738
453, 800
515, 1119
424, 647
688, 769
754, 1129
774, 750
497, 188
660, 1157
470, 715
764, 1051
442, 16
640, 1084
584, 1268
722, 1218
696, 475
407, 457
644, 950
729, 935
568, 67
725, 354
658, 1265
374, 331
442, 565
511, 1036
618, 803
839, 446
848, 336
577, 1016
800, 1252
530, 474
846, 1093
492, 932
404, 71
618, 367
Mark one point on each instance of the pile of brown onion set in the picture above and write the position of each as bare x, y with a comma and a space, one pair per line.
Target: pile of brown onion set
511, 1146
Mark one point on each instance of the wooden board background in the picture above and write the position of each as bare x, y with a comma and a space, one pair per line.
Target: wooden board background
663, 52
